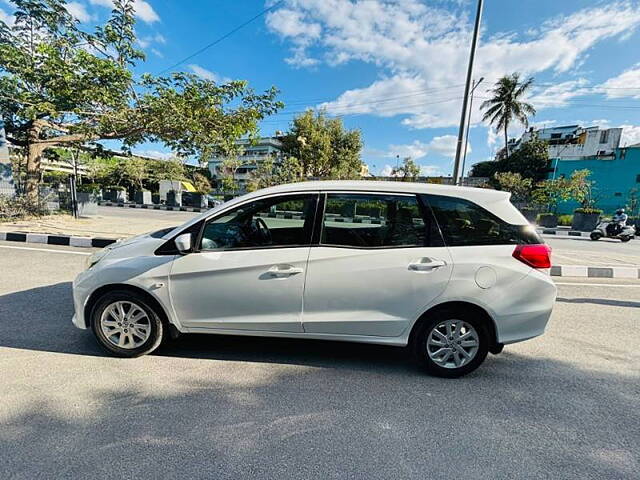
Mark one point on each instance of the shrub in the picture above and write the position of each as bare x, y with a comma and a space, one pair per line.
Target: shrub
89, 188
587, 210
20, 207
565, 220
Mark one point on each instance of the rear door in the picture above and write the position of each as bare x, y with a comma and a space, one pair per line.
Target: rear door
379, 262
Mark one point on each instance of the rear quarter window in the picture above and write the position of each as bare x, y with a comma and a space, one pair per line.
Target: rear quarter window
464, 223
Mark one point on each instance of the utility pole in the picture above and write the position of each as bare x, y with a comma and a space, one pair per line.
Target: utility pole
463, 115
466, 139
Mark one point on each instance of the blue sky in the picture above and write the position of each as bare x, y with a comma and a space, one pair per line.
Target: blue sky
395, 69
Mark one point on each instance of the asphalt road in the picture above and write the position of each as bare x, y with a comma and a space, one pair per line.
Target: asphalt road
565, 405
584, 251
128, 214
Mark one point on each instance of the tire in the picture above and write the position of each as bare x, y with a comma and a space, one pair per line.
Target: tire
437, 321
625, 239
595, 236
141, 337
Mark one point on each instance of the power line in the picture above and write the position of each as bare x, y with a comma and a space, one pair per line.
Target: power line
223, 37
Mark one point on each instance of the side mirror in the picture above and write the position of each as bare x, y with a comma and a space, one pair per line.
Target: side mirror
183, 243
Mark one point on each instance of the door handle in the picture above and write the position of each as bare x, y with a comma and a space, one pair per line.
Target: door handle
284, 270
426, 264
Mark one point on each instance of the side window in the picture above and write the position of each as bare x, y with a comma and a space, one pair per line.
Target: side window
465, 223
271, 222
369, 221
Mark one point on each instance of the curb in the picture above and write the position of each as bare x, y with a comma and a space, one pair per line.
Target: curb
65, 240
563, 233
153, 207
595, 272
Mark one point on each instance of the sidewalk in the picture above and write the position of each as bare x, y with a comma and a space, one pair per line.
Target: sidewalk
98, 226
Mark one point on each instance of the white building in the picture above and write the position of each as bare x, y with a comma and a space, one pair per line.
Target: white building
573, 141
251, 156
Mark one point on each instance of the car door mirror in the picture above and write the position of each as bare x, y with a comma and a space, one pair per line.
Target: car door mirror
183, 243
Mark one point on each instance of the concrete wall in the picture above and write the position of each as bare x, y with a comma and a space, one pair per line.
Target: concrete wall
615, 176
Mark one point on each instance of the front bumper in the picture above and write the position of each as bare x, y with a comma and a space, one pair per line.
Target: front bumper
80, 296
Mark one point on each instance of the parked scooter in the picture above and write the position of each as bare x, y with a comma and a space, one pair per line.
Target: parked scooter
609, 230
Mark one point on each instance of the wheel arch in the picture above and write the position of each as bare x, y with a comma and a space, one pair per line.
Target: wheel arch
494, 347
99, 292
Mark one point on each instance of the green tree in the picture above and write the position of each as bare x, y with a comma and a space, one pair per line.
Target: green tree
135, 171
549, 193
531, 160
506, 105
581, 189
201, 183
324, 148
60, 85
408, 171
275, 172
171, 169
519, 187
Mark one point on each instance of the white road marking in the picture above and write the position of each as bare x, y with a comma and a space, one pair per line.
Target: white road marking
598, 284
45, 250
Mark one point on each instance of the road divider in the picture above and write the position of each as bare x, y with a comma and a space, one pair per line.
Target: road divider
152, 207
48, 239
586, 271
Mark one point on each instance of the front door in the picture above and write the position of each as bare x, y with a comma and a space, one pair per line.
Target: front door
381, 261
248, 271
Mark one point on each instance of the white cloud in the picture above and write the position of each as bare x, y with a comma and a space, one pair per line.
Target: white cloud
630, 135
418, 47
6, 18
157, 154
622, 85
79, 12
386, 171
431, 171
148, 40
207, 74
444, 146
560, 94
144, 11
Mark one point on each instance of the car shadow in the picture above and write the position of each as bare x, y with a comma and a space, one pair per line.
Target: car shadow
40, 319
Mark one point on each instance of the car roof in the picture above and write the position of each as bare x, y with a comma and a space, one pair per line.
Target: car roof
479, 195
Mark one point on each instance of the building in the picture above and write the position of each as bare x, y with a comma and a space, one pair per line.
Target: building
573, 141
616, 175
252, 154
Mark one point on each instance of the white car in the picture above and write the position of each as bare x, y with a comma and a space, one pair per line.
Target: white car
453, 272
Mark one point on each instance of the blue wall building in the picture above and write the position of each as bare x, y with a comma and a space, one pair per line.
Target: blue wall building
615, 176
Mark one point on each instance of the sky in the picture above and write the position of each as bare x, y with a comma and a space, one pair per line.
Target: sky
395, 69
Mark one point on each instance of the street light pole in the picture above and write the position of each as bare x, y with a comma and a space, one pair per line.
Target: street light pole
467, 87
466, 139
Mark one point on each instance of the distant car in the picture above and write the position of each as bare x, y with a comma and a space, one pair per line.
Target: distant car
453, 272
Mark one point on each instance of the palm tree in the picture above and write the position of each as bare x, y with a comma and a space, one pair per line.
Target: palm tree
505, 105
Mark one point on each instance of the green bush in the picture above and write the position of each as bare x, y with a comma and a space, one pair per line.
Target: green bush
565, 220
17, 207
89, 188
587, 210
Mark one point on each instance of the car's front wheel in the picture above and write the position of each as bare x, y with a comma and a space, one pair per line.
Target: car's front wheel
125, 324
451, 343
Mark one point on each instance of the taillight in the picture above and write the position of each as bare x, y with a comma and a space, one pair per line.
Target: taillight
536, 256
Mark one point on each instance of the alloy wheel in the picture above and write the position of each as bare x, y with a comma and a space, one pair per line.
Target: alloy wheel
452, 343
125, 324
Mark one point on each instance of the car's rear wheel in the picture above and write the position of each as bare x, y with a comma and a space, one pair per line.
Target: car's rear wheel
451, 343
125, 324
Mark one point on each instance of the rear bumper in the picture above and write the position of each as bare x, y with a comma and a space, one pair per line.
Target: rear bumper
528, 316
